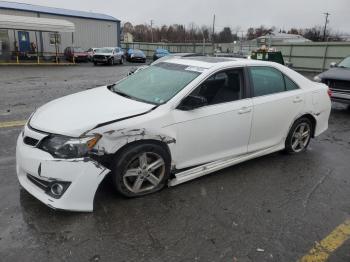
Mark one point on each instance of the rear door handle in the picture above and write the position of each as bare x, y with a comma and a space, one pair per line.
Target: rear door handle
297, 99
244, 110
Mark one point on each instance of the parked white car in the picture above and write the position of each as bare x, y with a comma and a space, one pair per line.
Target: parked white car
108, 55
167, 124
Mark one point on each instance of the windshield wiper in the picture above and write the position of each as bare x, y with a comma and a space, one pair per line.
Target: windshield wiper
114, 90
122, 94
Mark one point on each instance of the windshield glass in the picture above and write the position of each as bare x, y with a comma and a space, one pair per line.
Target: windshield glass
78, 50
137, 52
104, 50
345, 63
156, 84
162, 51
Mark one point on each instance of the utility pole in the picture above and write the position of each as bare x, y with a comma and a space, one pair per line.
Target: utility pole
325, 25
152, 29
241, 41
212, 38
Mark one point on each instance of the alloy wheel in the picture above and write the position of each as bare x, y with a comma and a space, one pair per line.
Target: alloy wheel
144, 172
301, 137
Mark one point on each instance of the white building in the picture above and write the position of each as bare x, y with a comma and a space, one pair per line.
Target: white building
90, 29
274, 37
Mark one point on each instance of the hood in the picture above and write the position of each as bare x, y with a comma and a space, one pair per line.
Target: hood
75, 114
161, 54
105, 54
80, 54
337, 73
138, 55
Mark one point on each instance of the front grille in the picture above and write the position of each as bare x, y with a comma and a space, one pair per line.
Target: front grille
44, 185
99, 57
30, 141
339, 85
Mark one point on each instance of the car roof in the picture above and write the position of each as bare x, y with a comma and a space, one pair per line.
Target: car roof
210, 62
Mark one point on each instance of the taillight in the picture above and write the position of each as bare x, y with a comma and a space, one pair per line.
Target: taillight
329, 91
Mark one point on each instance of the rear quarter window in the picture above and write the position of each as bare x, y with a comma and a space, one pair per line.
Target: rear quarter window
290, 85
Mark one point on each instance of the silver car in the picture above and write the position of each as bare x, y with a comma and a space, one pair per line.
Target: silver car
108, 55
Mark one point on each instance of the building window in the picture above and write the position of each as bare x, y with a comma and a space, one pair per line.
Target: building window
55, 38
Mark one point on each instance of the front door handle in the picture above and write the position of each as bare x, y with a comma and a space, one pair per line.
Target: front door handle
244, 110
297, 99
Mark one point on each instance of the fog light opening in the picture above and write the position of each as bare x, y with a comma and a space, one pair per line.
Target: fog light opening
57, 189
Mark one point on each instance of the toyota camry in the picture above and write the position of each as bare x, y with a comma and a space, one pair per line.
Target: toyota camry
172, 122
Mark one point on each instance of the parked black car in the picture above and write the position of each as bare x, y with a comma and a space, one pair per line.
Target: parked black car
338, 80
135, 55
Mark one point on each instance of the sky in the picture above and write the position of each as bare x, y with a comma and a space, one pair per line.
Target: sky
238, 14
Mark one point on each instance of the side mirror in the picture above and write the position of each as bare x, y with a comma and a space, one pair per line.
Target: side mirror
333, 64
192, 102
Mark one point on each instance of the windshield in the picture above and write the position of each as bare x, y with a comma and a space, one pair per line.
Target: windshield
137, 52
162, 51
156, 84
345, 63
78, 50
104, 50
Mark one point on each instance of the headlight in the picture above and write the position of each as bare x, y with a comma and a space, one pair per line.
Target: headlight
68, 147
132, 55
317, 79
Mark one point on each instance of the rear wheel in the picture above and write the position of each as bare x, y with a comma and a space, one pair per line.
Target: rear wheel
141, 170
299, 136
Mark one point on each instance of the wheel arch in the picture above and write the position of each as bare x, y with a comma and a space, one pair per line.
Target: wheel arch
313, 122
308, 116
122, 149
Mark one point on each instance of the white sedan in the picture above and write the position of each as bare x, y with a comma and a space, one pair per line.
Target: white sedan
172, 122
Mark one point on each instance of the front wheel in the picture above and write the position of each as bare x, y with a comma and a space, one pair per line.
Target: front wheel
299, 136
141, 169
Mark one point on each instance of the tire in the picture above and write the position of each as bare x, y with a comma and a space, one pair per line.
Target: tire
111, 61
95, 63
121, 60
299, 136
132, 173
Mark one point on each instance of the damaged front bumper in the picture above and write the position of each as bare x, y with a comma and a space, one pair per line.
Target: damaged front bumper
38, 172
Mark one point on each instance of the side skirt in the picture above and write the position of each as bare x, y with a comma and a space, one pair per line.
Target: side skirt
208, 168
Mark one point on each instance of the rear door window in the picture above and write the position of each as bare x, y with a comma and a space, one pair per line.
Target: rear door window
267, 80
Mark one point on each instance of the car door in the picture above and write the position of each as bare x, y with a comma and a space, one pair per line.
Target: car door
277, 102
219, 129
